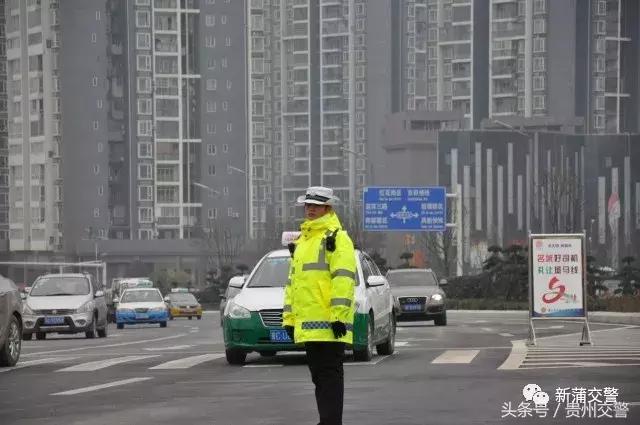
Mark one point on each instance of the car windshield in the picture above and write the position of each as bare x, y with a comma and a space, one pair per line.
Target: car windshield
271, 273
53, 286
411, 278
149, 296
183, 298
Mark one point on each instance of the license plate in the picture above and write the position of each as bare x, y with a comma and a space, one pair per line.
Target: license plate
279, 335
412, 307
142, 316
54, 320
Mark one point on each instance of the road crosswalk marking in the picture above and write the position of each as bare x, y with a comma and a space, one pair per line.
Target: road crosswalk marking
103, 386
101, 364
456, 357
187, 362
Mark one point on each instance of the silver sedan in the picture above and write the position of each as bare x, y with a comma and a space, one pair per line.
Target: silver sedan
10, 323
418, 295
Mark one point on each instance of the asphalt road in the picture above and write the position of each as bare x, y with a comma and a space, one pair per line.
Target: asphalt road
463, 373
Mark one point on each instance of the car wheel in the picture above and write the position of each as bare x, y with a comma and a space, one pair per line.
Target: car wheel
102, 333
120, 325
267, 353
92, 333
10, 352
366, 354
235, 357
441, 320
41, 335
170, 317
163, 324
199, 317
27, 337
387, 348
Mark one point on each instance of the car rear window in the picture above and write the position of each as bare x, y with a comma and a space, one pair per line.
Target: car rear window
183, 298
411, 278
141, 296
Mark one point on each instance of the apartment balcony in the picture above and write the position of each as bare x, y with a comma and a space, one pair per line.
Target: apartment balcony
168, 221
165, 4
297, 30
505, 54
335, 28
116, 48
508, 30
455, 34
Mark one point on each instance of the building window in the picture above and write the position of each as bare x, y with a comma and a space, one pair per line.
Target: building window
98, 17
223, 19
225, 190
94, 37
144, 106
539, 26
96, 212
539, 102
211, 149
539, 63
145, 215
145, 128
211, 128
225, 148
539, 45
225, 105
227, 42
229, 127
258, 129
145, 234
601, 27
96, 125
539, 82
212, 213
600, 64
212, 84
539, 6
228, 84
94, 81
601, 7
224, 63
211, 106
144, 84
143, 19
143, 2
143, 40
599, 121
144, 171
145, 193
96, 169
599, 103
599, 83
100, 190
145, 150
210, 20
144, 63
211, 170
99, 103
210, 41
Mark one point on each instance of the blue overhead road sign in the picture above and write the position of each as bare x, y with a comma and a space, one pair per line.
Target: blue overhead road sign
405, 208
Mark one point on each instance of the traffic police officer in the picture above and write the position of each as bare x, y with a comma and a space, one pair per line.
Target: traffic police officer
319, 298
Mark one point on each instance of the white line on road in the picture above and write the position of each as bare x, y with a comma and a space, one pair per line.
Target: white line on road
456, 357
263, 365
506, 334
121, 344
101, 364
371, 362
480, 321
402, 343
102, 386
187, 362
489, 330
28, 363
174, 347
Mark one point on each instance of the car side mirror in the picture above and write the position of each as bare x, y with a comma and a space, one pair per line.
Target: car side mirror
376, 281
23, 296
167, 299
115, 300
443, 282
99, 294
236, 282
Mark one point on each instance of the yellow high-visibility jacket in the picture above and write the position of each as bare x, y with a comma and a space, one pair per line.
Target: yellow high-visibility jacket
320, 289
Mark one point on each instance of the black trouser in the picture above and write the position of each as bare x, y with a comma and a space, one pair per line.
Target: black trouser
325, 363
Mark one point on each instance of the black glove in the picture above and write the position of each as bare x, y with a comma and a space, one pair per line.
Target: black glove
339, 329
290, 331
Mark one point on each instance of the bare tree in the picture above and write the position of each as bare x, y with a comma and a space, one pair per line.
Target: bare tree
221, 244
562, 201
352, 223
441, 250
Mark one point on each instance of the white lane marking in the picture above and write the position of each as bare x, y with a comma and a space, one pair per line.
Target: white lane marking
263, 365
489, 330
371, 362
101, 364
575, 364
456, 357
121, 344
506, 334
402, 343
516, 356
173, 347
187, 362
480, 321
28, 363
550, 327
102, 386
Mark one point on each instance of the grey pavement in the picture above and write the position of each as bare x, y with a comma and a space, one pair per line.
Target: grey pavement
438, 375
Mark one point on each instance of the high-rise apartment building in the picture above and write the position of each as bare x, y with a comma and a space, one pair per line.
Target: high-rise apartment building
439, 47
4, 145
33, 42
308, 103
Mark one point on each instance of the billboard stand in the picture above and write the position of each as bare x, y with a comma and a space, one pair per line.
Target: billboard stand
557, 281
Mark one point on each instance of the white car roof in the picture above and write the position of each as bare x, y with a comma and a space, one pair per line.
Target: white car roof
141, 289
283, 253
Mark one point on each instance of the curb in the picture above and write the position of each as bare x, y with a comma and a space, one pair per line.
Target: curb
595, 316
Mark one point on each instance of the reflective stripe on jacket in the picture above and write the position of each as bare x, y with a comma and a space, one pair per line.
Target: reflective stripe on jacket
320, 289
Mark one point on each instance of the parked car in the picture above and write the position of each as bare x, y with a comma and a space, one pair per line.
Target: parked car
233, 288
253, 318
10, 323
182, 303
141, 305
67, 304
418, 295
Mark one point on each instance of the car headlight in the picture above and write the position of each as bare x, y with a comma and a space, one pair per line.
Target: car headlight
158, 309
436, 297
85, 308
236, 311
26, 309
